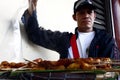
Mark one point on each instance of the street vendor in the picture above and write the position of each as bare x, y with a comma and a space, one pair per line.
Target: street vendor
87, 41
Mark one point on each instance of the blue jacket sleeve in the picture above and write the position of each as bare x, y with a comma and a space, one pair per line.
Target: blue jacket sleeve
54, 40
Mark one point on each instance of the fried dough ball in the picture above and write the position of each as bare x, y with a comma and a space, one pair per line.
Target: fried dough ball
87, 66
13, 64
106, 59
5, 64
88, 60
97, 60
64, 62
74, 66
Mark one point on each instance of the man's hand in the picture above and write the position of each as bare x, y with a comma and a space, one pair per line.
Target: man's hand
32, 5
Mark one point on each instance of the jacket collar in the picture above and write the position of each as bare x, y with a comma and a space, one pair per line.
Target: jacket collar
94, 29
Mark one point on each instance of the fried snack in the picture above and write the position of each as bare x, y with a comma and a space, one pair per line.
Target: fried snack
106, 60
18, 65
66, 62
51, 65
13, 64
105, 66
97, 60
88, 60
61, 64
5, 64
31, 65
73, 66
87, 66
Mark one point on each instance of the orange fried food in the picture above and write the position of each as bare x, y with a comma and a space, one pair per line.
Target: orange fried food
106, 59
46, 64
88, 60
20, 64
97, 60
105, 66
31, 65
87, 66
64, 62
74, 66
13, 64
5, 64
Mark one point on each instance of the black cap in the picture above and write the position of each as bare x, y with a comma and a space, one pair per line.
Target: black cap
83, 3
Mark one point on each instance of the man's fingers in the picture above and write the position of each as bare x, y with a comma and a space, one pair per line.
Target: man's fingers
32, 5
34, 2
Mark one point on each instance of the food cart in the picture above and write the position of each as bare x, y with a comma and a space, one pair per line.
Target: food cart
77, 74
73, 71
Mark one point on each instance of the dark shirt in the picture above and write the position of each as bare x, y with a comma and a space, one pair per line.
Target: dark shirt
102, 45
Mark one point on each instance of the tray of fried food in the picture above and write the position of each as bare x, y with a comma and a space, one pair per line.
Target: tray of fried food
80, 64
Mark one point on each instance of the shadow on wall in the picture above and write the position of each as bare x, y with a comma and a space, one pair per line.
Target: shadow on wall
32, 51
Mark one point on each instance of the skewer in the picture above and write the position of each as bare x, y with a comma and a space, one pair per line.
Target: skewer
116, 60
30, 61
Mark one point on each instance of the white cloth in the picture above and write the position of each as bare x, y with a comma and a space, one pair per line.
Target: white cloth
83, 42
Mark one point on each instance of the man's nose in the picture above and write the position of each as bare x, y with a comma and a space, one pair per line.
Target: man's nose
86, 14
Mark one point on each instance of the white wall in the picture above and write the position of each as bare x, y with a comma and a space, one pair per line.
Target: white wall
52, 14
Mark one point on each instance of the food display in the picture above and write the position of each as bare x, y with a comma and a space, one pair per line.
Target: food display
61, 64
64, 67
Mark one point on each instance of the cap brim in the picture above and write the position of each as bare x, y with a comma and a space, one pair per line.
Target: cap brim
91, 6
83, 6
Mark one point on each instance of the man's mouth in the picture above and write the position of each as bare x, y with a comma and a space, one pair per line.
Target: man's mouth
86, 21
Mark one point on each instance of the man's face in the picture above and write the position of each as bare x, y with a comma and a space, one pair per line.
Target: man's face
85, 19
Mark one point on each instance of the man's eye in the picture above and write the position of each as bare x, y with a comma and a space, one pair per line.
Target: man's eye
83, 12
89, 12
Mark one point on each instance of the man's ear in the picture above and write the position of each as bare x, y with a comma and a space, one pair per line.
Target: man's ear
74, 17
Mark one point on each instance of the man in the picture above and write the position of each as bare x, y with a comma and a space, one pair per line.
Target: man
86, 42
